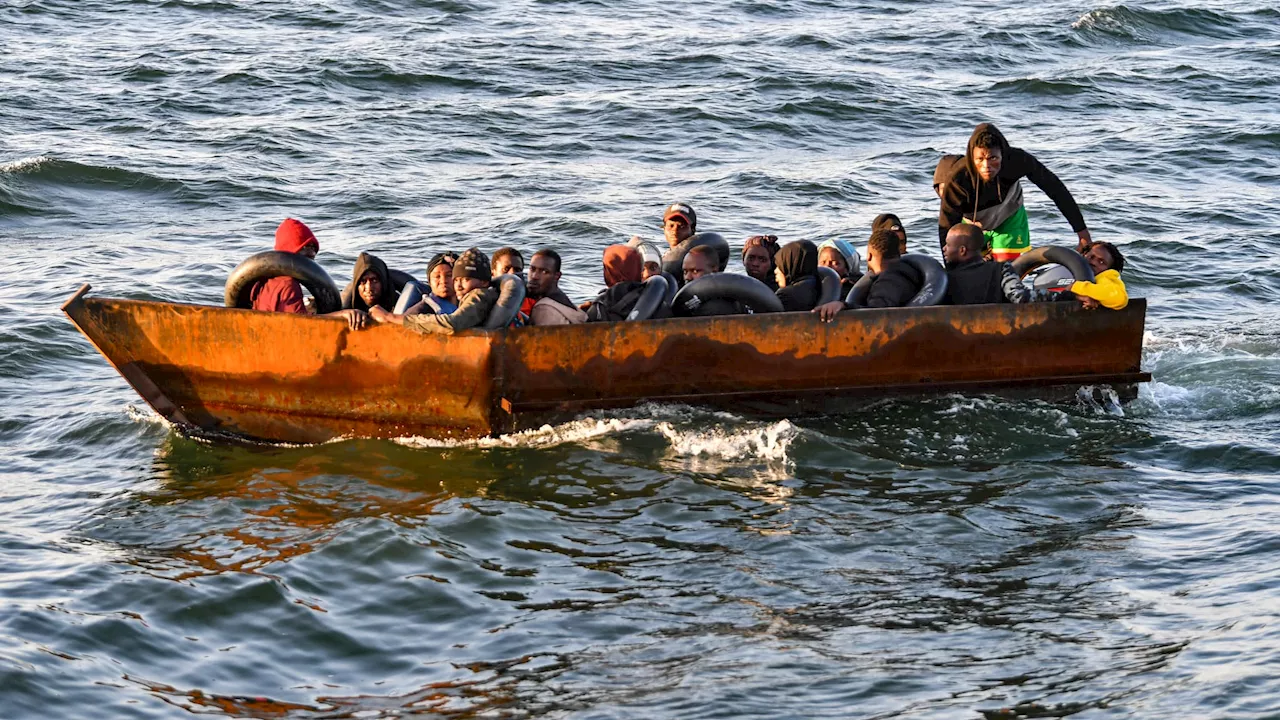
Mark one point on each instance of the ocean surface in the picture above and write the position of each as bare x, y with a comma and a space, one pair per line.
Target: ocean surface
951, 557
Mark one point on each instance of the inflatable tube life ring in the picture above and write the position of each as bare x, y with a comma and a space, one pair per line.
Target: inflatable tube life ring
411, 294
672, 287
830, 285
655, 289
729, 286
274, 263
673, 259
398, 280
510, 295
930, 293
1064, 256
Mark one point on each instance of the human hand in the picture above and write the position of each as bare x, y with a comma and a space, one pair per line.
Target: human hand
377, 314
828, 311
1090, 304
357, 319
1085, 239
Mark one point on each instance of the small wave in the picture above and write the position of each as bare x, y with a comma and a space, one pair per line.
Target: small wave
1036, 86
767, 442
1124, 22
545, 436
50, 170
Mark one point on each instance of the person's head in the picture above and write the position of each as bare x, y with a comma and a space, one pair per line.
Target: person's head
369, 287
649, 270
292, 236
890, 222
699, 262
507, 260
882, 248
544, 273
440, 275
757, 256
622, 264
1103, 256
679, 222
371, 282
987, 148
964, 243
471, 272
840, 256
795, 262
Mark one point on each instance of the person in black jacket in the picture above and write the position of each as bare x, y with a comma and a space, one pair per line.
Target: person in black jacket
986, 190
974, 281
797, 276
894, 282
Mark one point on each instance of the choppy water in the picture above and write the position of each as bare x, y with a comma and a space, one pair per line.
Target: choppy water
940, 558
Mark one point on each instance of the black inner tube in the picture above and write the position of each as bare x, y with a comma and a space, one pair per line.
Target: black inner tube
274, 263
1049, 254
655, 289
673, 259
728, 286
931, 292
830, 285
510, 296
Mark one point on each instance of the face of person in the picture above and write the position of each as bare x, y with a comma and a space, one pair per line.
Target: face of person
830, 257
987, 161
902, 241
756, 261
309, 250
695, 267
676, 229
441, 280
543, 278
1099, 259
650, 269
779, 278
464, 285
509, 264
369, 287
953, 251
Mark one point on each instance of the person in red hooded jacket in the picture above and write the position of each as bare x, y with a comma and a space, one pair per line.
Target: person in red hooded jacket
284, 294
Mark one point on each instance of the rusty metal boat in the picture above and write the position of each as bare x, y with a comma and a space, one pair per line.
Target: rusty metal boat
303, 379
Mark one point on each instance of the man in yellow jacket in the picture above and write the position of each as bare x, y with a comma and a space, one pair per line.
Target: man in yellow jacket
1107, 289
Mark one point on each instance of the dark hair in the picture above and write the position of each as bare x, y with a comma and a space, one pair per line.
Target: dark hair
988, 140
548, 252
505, 252
1117, 260
885, 243
708, 252
974, 240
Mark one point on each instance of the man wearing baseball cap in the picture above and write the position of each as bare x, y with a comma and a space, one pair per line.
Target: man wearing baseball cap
471, 277
890, 222
679, 222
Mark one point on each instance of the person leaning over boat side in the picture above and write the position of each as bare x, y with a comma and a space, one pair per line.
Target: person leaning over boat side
471, 278
974, 281
797, 261
679, 222
372, 283
1107, 289
757, 259
550, 305
986, 190
890, 222
700, 262
894, 283
507, 261
284, 294
840, 256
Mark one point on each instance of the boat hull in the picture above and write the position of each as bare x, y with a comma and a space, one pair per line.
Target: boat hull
291, 378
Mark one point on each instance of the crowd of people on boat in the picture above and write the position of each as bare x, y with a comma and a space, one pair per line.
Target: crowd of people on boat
982, 228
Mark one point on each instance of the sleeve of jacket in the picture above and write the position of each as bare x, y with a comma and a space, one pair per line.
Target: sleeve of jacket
471, 313
1011, 285
1025, 164
1107, 289
951, 209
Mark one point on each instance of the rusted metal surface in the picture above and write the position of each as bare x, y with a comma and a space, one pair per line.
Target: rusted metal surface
303, 379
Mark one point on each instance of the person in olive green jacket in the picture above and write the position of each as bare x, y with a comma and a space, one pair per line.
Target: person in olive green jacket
471, 278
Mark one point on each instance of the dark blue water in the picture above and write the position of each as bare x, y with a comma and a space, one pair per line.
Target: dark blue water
960, 556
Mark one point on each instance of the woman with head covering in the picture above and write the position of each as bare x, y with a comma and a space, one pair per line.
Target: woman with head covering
650, 256
840, 256
623, 267
757, 258
797, 275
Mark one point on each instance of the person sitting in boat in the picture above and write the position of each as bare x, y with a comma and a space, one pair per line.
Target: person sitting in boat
894, 283
441, 299
679, 222
550, 305
650, 257
757, 258
890, 222
700, 262
1107, 289
471, 278
507, 261
797, 276
840, 256
623, 268
974, 281
986, 190
284, 294
372, 282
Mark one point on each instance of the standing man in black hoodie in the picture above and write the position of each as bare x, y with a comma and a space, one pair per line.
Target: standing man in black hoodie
986, 190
